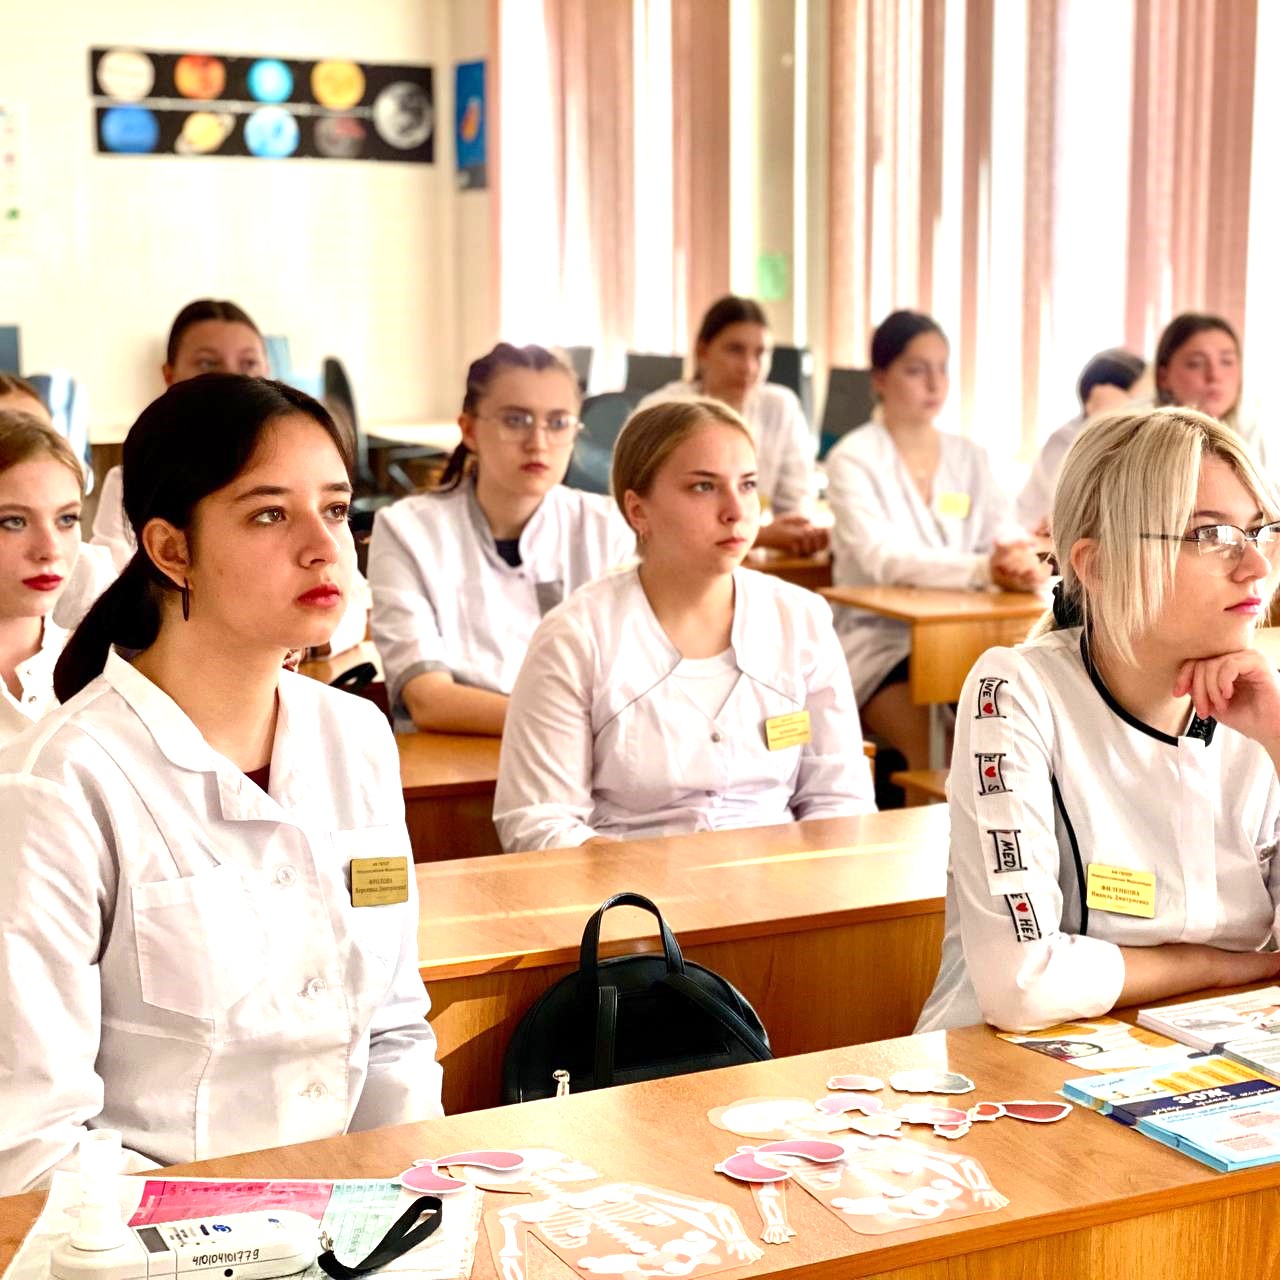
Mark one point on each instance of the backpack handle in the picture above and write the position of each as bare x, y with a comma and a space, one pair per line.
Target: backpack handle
589, 955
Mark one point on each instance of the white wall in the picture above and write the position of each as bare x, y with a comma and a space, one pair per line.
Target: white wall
356, 259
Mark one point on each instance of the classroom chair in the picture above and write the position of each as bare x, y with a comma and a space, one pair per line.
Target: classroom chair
580, 359
647, 372
793, 367
602, 419
10, 349
69, 408
280, 362
849, 404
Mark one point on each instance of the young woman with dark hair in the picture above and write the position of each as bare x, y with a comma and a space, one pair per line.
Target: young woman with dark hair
913, 507
462, 576
201, 964
731, 358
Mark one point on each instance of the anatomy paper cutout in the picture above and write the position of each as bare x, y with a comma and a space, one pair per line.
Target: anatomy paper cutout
625, 1229
424, 1176
542, 1172
1035, 1112
929, 1081
861, 1083
837, 1104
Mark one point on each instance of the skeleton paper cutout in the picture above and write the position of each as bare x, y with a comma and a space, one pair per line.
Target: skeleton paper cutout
424, 1176
881, 1185
542, 1172
625, 1229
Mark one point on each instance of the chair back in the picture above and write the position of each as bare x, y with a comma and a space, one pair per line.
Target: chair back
69, 408
580, 359
10, 349
340, 400
849, 404
793, 367
647, 372
602, 419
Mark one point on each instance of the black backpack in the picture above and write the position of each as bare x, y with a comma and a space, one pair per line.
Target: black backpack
637, 1017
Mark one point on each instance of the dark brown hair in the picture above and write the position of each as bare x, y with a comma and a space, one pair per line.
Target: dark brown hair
1181, 329
200, 310
23, 436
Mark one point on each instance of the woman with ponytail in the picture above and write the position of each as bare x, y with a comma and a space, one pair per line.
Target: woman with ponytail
462, 576
41, 487
1114, 801
188, 953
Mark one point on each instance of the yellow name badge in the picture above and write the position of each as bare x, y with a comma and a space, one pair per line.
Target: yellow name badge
378, 882
955, 505
1120, 889
791, 730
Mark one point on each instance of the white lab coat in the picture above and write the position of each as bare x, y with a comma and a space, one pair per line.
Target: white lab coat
1199, 812
1035, 502
111, 530
785, 446
181, 958
444, 600
885, 535
600, 741
35, 675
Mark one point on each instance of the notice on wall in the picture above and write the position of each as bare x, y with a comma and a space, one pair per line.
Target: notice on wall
12, 212
470, 125
199, 104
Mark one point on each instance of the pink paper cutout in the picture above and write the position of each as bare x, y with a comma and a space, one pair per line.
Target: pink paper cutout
986, 1111
884, 1124
836, 1104
424, 1175
1038, 1112
931, 1081
928, 1113
952, 1131
808, 1148
744, 1167
855, 1082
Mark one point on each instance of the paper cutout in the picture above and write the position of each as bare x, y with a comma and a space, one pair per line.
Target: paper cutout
928, 1113
836, 1104
807, 1148
543, 1171
625, 1229
1037, 1112
952, 1131
424, 1176
764, 1117
986, 1111
927, 1081
868, 1083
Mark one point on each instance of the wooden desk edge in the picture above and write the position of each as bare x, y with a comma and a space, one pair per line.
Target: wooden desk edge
1034, 608
550, 957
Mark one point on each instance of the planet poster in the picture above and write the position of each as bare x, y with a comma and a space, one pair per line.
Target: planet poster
470, 125
201, 104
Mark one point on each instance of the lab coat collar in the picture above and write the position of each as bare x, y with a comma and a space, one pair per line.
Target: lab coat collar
183, 745
484, 535
41, 663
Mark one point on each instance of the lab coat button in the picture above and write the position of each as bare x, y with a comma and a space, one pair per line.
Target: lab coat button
715, 737
286, 875
313, 1091
316, 987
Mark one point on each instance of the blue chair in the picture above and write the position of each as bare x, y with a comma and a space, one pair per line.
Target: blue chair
10, 349
849, 404
69, 408
602, 419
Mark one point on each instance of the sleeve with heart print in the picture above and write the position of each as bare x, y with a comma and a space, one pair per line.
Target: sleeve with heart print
1027, 965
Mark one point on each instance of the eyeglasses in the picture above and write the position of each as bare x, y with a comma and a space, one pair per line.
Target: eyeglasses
1224, 544
519, 424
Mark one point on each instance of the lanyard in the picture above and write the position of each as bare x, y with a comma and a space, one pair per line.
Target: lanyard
402, 1236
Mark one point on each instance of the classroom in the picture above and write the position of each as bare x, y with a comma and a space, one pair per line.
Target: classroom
638, 637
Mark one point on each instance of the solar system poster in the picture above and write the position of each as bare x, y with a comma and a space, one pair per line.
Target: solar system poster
189, 104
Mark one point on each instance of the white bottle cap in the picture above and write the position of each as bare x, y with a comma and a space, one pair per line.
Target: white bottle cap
100, 1225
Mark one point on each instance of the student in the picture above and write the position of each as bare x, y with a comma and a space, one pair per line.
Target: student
686, 694
212, 335
1113, 792
913, 507
41, 487
462, 576
91, 568
1106, 383
186, 952
731, 357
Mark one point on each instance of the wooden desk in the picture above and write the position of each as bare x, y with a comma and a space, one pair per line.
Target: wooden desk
448, 781
796, 917
1087, 1197
950, 630
812, 572
444, 436
328, 669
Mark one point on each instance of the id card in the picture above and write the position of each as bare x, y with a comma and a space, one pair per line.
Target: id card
791, 730
1120, 889
379, 882
954, 505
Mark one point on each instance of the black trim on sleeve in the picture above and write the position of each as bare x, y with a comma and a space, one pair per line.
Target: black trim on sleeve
1198, 728
1075, 853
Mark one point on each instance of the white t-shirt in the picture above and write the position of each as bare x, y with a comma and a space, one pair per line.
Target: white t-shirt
886, 535
1051, 776
1035, 502
785, 446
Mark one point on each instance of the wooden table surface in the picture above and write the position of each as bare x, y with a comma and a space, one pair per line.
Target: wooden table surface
1087, 1196
926, 604
779, 911
812, 572
328, 669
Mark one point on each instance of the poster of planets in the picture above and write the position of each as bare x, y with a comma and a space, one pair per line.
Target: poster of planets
198, 104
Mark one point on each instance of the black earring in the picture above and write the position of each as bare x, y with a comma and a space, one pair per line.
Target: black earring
186, 601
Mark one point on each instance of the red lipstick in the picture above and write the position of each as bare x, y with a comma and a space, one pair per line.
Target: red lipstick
325, 596
43, 582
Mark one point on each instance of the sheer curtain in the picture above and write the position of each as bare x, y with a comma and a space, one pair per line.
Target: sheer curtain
612, 187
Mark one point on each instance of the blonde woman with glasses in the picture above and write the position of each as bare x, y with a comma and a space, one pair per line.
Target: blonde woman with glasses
1113, 792
462, 576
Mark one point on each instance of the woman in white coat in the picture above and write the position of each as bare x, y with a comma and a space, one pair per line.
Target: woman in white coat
41, 487
731, 358
1114, 800
463, 575
688, 693
913, 507
208, 918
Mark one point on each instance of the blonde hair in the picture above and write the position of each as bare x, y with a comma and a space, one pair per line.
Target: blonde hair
1129, 474
23, 436
651, 436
